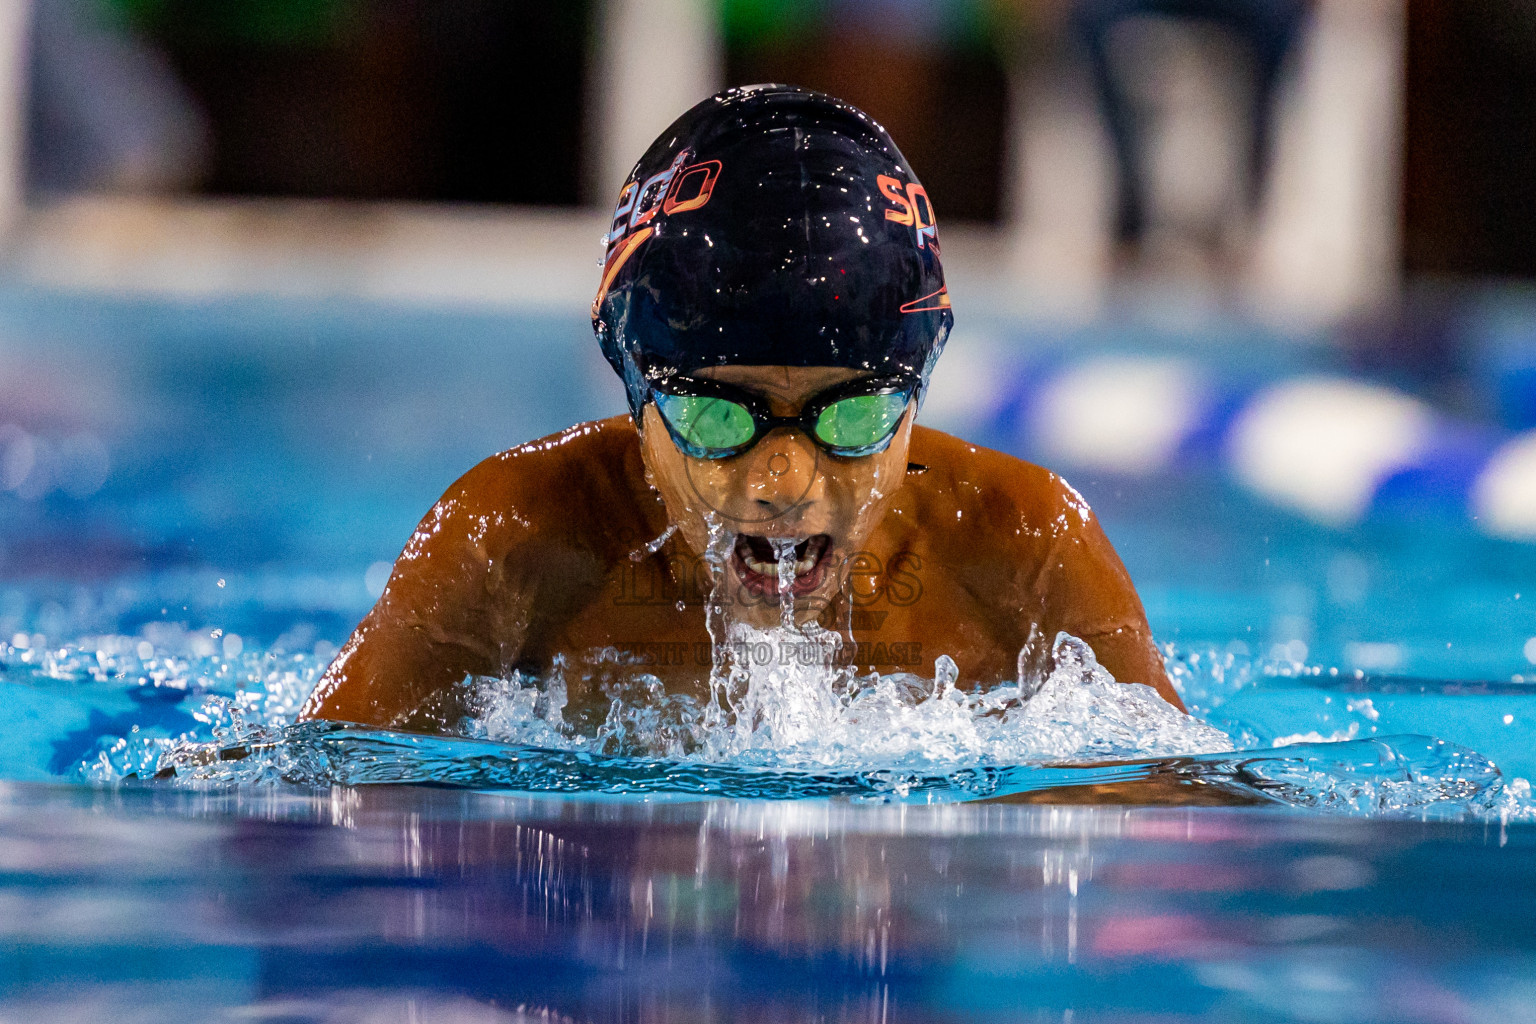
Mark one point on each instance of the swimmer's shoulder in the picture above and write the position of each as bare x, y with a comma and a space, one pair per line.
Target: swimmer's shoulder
587, 455
996, 495
565, 484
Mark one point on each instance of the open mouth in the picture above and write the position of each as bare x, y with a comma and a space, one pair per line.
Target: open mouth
757, 564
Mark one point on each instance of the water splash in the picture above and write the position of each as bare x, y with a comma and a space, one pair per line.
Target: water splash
775, 728
785, 702
792, 728
785, 550
654, 545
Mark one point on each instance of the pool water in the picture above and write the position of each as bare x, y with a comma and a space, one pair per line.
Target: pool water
408, 904
199, 500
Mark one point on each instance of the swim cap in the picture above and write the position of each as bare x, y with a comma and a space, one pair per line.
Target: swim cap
771, 225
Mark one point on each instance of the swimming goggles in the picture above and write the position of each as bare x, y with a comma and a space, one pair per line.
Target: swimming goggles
711, 420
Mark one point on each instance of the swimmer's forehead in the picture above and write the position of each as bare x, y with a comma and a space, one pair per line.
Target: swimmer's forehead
787, 382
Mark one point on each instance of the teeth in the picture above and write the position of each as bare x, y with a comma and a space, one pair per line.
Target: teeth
802, 566
772, 569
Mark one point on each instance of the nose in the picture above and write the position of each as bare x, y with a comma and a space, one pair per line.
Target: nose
783, 473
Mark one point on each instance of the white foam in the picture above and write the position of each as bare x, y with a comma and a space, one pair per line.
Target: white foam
799, 710
798, 714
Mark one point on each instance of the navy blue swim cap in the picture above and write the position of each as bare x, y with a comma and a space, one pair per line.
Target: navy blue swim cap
771, 225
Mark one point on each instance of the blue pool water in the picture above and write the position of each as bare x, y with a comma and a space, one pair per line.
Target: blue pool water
197, 502
394, 904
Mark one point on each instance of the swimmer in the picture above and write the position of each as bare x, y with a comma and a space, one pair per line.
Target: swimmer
774, 302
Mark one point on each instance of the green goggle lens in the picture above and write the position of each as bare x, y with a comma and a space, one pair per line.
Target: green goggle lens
707, 422
717, 426
861, 420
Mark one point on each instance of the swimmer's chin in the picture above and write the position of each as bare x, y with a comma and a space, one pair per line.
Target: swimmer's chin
760, 614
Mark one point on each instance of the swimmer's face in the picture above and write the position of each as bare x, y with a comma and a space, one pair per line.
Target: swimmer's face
784, 488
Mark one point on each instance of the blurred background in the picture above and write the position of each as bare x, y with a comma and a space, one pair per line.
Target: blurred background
1254, 274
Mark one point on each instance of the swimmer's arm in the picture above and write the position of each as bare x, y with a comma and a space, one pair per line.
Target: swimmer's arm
448, 611
1089, 594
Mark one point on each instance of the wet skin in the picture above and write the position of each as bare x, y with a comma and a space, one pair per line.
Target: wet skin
547, 551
